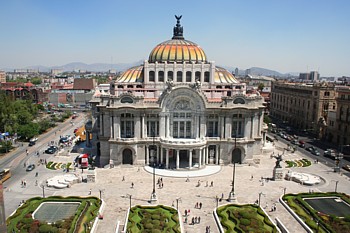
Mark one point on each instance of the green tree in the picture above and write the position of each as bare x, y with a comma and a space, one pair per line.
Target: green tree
5, 146
261, 86
29, 130
36, 80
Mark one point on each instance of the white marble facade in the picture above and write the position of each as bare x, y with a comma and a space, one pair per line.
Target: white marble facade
177, 114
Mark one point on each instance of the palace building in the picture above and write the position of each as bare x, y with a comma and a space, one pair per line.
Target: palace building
177, 110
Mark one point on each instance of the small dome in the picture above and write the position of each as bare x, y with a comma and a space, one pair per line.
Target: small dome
132, 75
224, 76
177, 50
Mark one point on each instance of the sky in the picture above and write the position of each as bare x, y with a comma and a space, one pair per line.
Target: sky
282, 35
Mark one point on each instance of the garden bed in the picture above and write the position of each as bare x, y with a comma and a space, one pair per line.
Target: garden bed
244, 218
315, 217
153, 219
80, 221
298, 163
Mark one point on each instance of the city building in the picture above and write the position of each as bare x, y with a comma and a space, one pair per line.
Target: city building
303, 106
177, 110
2, 76
342, 134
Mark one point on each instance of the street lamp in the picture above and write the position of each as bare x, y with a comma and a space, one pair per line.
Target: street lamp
231, 196
261, 193
129, 199
177, 203
154, 195
336, 185
284, 190
43, 187
101, 190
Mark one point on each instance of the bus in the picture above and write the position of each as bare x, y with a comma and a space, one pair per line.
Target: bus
5, 174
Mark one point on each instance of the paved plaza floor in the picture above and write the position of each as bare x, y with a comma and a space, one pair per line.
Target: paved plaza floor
180, 188
177, 191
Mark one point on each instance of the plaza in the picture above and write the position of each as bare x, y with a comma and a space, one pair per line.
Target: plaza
251, 181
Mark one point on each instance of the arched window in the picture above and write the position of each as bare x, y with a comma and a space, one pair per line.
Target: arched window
127, 125
197, 75
161, 76
151, 76
206, 76
170, 75
188, 76
179, 77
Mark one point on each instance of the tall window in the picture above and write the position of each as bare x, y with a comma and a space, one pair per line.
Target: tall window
237, 126
188, 76
213, 125
151, 76
182, 120
197, 75
206, 76
179, 77
170, 75
161, 76
127, 125
152, 125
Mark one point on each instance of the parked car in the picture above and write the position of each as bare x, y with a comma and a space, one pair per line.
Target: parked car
330, 153
51, 150
346, 167
316, 152
311, 148
32, 141
301, 144
64, 140
30, 167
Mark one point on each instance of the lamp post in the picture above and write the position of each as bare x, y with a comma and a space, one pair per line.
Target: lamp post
177, 203
336, 185
130, 196
284, 190
261, 193
43, 187
153, 195
231, 195
101, 190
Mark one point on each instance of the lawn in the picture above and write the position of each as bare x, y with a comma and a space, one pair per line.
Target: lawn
80, 221
153, 219
244, 218
312, 208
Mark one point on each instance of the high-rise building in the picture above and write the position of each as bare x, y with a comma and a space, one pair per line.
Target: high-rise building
177, 110
2, 76
314, 76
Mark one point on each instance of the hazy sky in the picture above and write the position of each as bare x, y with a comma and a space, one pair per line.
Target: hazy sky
283, 35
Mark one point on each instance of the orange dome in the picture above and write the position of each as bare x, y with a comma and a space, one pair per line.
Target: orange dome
177, 50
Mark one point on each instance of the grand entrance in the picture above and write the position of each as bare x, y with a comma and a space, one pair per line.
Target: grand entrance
237, 156
127, 156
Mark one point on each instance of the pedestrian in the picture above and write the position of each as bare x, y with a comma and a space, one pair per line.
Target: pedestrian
212, 184
123, 178
90, 192
188, 211
206, 184
185, 219
196, 206
36, 174
192, 220
222, 195
199, 219
252, 177
195, 220
173, 205
185, 212
200, 205
132, 184
188, 179
36, 182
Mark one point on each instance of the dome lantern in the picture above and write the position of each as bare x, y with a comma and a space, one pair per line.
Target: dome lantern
178, 30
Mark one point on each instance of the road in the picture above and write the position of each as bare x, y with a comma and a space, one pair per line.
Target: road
15, 161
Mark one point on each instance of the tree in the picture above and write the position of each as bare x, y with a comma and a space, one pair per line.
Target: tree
261, 86
36, 80
29, 130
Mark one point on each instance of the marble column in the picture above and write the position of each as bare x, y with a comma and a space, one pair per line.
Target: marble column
200, 158
206, 155
216, 154
117, 127
190, 160
161, 155
143, 135
177, 159
111, 119
167, 158
147, 156
158, 154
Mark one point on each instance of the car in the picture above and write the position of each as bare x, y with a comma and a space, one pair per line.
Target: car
301, 144
346, 167
74, 116
64, 140
330, 153
51, 150
311, 148
30, 167
315, 152
31, 143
